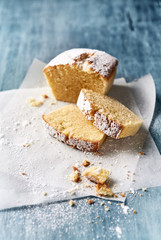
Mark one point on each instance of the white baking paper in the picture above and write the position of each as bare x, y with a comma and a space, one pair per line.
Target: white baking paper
34, 76
148, 170
5, 98
48, 163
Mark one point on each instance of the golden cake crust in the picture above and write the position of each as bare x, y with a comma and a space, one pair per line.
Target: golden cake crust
75, 69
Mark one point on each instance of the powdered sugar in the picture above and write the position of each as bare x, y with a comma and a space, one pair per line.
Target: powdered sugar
98, 61
97, 170
77, 143
119, 231
109, 127
125, 208
85, 106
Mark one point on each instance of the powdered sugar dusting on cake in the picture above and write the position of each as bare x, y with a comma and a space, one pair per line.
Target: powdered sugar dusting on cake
98, 170
54, 133
96, 60
109, 127
85, 106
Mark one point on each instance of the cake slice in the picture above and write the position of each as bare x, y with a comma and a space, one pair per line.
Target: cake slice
79, 68
68, 125
108, 115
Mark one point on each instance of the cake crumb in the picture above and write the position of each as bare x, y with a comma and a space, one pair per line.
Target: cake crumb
90, 201
144, 189
88, 186
26, 145
75, 176
71, 203
102, 203
86, 163
52, 103
115, 196
103, 190
45, 96
134, 211
141, 153
98, 216
97, 174
122, 194
72, 192
23, 173
107, 209
35, 103
45, 193
75, 168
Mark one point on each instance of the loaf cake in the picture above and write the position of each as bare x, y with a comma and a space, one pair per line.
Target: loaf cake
79, 68
108, 115
68, 125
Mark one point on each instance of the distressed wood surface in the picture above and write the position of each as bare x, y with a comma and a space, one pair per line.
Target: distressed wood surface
129, 30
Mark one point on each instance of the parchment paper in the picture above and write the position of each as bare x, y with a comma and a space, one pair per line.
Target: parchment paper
48, 163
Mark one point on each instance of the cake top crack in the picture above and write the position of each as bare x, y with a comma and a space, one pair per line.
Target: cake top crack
96, 60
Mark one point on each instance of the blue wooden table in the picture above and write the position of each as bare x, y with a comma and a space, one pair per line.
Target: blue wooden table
129, 30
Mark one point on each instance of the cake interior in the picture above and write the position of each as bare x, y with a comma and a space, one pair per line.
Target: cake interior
69, 121
66, 81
